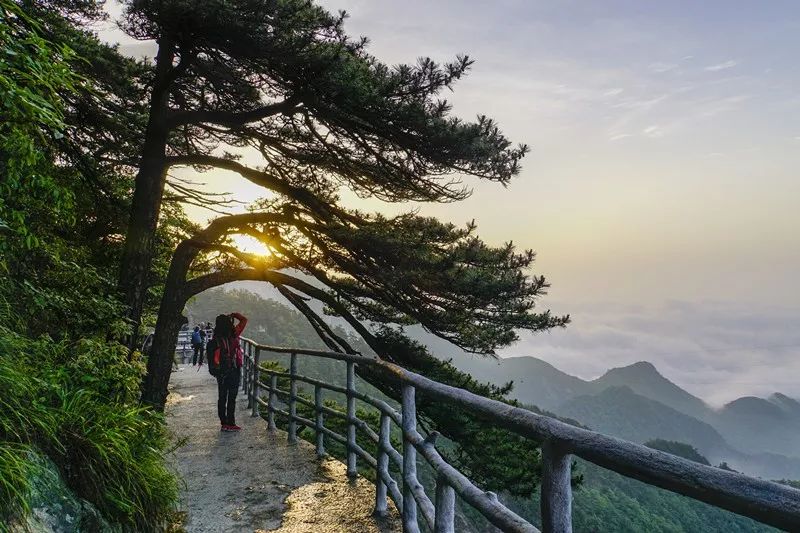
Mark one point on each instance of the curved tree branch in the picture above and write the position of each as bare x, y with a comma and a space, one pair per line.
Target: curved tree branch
234, 119
221, 277
262, 178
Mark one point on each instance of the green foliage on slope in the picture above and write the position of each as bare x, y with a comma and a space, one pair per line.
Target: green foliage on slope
76, 402
611, 502
678, 448
270, 322
621, 412
67, 393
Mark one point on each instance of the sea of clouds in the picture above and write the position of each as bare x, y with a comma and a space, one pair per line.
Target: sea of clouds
718, 351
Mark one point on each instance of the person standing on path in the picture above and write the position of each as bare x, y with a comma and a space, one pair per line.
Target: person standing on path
225, 362
197, 345
203, 341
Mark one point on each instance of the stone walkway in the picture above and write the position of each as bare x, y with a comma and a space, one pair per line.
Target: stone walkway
253, 481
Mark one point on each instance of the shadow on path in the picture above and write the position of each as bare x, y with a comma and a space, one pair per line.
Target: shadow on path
254, 481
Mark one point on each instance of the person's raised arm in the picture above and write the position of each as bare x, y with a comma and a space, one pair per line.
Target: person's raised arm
237, 330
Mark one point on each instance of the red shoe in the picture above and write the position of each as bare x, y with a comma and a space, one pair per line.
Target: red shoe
226, 427
234, 427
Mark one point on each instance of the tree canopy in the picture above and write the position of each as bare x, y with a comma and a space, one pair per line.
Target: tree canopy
277, 92
282, 79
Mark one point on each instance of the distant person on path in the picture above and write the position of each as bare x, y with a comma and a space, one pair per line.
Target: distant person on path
197, 345
203, 341
224, 362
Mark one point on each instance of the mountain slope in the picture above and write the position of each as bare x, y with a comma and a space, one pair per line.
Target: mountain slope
758, 424
789, 406
756, 427
619, 411
536, 382
644, 379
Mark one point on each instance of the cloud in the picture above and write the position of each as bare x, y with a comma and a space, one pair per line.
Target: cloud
653, 131
721, 66
619, 136
717, 351
660, 68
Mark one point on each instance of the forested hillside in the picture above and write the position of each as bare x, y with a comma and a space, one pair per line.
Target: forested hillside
621, 412
758, 436
271, 322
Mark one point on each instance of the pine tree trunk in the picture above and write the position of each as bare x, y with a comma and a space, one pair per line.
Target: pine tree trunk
170, 320
147, 196
162, 352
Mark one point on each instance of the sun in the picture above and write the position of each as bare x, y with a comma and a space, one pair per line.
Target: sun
251, 245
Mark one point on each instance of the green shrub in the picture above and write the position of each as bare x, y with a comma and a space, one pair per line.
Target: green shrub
75, 402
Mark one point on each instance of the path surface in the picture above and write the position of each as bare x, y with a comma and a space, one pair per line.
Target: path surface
253, 481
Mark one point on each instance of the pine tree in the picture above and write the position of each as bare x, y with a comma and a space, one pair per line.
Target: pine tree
282, 78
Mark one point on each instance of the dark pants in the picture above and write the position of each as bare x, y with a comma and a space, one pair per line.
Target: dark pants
228, 387
198, 354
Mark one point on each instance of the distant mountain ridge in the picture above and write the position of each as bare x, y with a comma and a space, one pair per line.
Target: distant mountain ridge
539, 383
760, 436
620, 411
643, 378
636, 402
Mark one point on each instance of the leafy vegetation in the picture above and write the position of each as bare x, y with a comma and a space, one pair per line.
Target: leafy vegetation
610, 502
67, 392
680, 449
76, 403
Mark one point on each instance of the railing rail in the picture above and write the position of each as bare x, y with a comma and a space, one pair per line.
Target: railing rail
765, 501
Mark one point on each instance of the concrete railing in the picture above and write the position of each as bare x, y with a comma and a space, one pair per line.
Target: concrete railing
765, 501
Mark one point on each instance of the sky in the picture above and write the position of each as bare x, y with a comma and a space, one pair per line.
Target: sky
661, 193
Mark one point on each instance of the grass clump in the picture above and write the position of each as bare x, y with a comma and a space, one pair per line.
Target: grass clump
77, 404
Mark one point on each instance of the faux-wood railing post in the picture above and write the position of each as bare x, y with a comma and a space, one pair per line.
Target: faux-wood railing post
556, 501
444, 521
292, 398
243, 377
248, 368
384, 442
319, 421
246, 365
352, 471
256, 377
410, 524
273, 385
